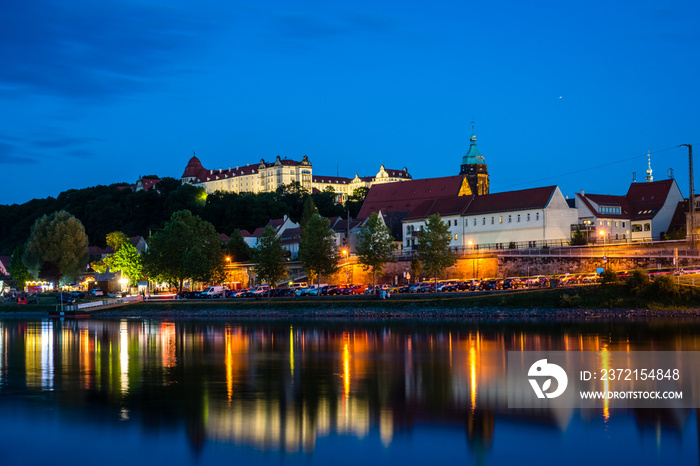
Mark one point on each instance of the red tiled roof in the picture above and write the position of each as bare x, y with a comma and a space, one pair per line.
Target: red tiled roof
194, 166
291, 236
398, 173
330, 179
607, 200
646, 199
276, 223
148, 183
407, 195
443, 206
535, 198
246, 234
224, 237
257, 232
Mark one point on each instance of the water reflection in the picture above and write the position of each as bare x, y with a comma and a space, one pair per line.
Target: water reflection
285, 386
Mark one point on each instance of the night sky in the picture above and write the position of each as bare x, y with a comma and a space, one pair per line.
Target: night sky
570, 93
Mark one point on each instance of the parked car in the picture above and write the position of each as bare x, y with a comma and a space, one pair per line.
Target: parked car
512, 283
187, 295
537, 280
216, 291
493, 284
242, 293
77, 294
450, 285
282, 292
260, 290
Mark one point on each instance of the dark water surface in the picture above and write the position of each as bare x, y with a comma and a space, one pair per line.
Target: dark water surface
285, 392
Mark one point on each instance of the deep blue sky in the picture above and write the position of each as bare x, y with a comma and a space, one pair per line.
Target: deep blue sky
102, 92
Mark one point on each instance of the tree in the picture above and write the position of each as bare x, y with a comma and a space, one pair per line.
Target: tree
416, 268
18, 271
269, 257
317, 249
578, 238
127, 260
57, 248
434, 247
187, 248
325, 202
309, 210
237, 248
116, 239
355, 200
374, 245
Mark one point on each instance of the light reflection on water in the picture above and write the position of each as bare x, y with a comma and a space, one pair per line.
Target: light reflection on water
316, 392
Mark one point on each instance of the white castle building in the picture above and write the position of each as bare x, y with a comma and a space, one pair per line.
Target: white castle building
268, 176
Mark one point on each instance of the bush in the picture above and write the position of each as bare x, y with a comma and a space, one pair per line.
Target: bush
608, 277
570, 301
638, 282
664, 287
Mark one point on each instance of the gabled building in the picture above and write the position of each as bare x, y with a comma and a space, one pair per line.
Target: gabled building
526, 218
407, 195
643, 214
280, 225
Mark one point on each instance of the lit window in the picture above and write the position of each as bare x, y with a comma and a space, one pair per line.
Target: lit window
455, 236
500, 219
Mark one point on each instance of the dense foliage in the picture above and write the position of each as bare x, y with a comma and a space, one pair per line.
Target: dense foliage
434, 247
104, 209
269, 258
375, 245
187, 248
57, 249
318, 252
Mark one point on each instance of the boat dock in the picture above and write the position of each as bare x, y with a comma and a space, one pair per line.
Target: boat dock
84, 310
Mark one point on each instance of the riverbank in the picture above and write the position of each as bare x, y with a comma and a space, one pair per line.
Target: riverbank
608, 302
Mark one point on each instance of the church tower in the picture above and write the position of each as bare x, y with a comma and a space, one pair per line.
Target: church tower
474, 169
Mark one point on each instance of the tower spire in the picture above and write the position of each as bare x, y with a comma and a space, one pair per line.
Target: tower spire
650, 178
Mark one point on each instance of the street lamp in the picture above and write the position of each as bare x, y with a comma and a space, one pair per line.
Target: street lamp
602, 233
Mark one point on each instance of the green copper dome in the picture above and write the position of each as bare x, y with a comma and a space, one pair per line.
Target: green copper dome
473, 156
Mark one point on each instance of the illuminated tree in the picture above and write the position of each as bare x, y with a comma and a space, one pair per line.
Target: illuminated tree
317, 249
57, 248
434, 247
375, 245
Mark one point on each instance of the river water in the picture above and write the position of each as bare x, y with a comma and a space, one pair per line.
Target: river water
181, 392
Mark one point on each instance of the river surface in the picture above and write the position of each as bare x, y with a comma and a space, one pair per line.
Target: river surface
195, 392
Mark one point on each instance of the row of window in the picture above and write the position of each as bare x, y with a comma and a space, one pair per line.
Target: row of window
602, 223
500, 219
638, 227
410, 228
610, 210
